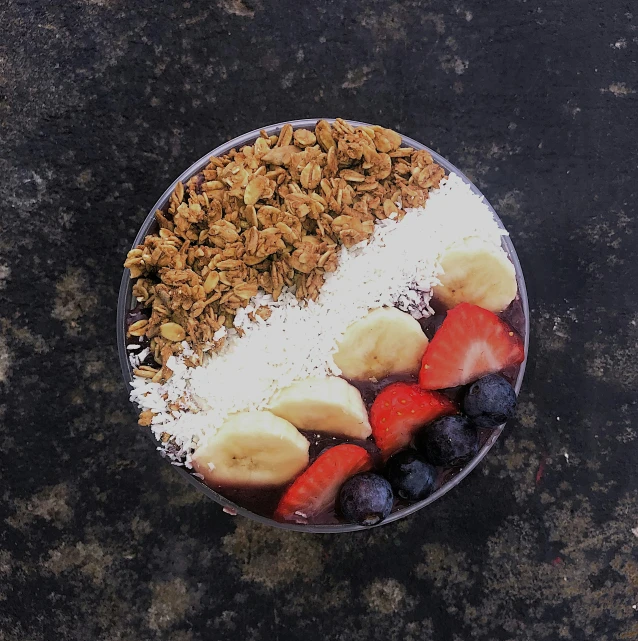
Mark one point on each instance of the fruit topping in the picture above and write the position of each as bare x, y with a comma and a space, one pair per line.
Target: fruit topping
366, 499
410, 475
252, 449
328, 405
316, 489
449, 441
477, 272
400, 410
387, 341
490, 401
471, 343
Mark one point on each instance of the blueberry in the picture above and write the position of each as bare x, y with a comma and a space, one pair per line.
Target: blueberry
448, 441
366, 499
490, 401
410, 475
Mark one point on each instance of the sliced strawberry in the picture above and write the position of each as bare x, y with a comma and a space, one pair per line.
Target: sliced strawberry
400, 410
316, 489
470, 343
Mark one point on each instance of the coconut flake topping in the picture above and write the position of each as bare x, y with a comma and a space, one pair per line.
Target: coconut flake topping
398, 266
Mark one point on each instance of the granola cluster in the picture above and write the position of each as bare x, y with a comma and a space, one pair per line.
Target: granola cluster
268, 215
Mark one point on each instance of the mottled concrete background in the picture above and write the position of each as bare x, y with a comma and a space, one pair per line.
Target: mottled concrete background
102, 104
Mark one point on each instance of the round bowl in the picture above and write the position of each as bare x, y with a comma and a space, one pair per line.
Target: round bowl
126, 302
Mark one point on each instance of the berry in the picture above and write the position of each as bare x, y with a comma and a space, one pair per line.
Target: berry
366, 499
400, 410
490, 401
315, 490
449, 441
471, 343
410, 475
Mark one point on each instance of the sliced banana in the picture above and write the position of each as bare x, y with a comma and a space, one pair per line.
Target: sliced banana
329, 405
252, 449
387, 341
476, 272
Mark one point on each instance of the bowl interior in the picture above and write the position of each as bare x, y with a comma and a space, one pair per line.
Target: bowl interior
126, 302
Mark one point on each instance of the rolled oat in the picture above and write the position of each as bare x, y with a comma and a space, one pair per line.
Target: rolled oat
268, 215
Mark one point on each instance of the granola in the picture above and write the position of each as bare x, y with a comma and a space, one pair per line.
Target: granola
268, 215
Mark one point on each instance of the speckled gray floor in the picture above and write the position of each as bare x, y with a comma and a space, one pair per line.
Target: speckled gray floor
102, 104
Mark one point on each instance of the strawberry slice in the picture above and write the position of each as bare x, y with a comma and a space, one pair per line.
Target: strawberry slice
400, 410
470, 343
316, 489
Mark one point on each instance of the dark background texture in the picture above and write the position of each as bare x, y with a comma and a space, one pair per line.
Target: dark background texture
102, 104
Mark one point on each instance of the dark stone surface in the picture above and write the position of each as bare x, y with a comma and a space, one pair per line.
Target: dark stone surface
102, 104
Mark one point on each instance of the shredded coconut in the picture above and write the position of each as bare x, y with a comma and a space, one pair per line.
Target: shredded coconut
398, 266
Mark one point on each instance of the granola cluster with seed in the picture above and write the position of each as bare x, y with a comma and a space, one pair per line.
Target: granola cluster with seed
268, 215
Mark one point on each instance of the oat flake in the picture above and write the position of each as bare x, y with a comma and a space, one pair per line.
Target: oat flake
398, 266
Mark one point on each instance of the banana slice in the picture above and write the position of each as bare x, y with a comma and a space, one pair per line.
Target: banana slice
329, 405
252, 449
386, 341
476, 272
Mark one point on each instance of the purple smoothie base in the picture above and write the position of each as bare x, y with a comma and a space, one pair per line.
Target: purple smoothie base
264, 501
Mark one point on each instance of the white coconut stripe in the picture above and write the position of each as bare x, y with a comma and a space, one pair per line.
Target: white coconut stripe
399, 266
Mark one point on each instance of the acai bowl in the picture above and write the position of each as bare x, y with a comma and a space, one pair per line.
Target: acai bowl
324, 325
